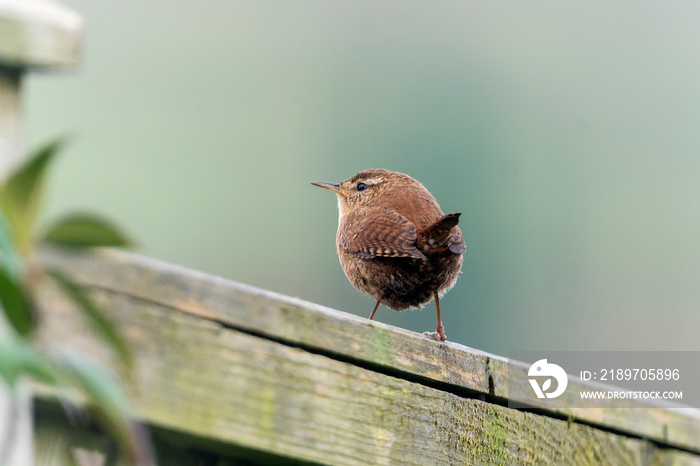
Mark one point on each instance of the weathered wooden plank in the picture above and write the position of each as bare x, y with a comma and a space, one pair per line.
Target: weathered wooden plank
39, 34
345, 336
197, 377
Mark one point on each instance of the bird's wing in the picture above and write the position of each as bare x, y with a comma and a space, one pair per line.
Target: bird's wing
375, 232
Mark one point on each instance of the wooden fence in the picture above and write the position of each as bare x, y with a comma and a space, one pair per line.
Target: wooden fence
231, 374
35, 35
226, 372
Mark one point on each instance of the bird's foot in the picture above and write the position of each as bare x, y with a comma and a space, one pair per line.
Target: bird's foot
437, 335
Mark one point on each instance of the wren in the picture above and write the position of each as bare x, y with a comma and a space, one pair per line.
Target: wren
394, 243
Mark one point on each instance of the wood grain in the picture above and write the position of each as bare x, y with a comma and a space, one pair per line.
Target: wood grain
448, 366
212, 383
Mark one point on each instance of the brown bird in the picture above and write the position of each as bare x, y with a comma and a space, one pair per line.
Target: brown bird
394, 243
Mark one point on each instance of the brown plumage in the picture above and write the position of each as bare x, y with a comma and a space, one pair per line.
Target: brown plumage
394, 243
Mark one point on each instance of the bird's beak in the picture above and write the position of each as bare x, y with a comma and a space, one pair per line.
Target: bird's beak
335, 187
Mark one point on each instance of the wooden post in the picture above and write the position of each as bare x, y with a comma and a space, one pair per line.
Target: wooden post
226, 372
34, 35
9, 119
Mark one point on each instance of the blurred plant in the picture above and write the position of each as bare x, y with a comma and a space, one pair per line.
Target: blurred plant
21, 197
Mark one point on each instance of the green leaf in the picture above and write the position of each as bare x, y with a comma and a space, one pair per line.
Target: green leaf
104, 395
18, 357
21, 194
110, 405
16, 303
85, 230
9, 257
94, 315
10, 360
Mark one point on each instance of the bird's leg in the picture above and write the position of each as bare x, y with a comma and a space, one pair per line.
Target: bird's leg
374, 311
439, 333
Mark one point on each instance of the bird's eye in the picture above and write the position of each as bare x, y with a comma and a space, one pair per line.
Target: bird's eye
361, 186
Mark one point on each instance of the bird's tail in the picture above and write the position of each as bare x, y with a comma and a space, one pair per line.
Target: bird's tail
439, 236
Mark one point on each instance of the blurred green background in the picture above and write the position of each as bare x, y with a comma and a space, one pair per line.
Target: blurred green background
567, 134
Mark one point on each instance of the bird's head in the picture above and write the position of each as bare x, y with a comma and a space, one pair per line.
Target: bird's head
371, 188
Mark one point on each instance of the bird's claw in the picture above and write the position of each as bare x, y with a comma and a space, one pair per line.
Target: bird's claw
436, 336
